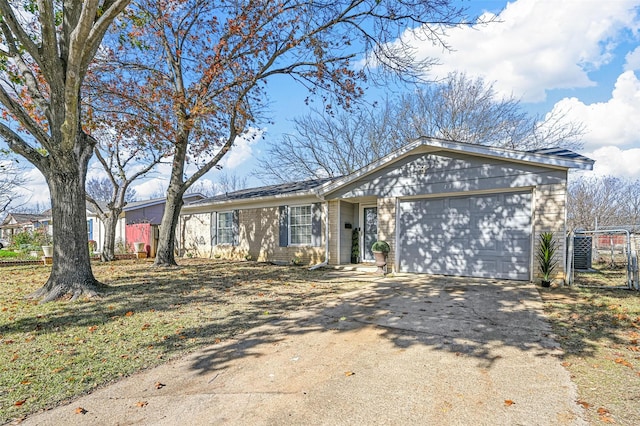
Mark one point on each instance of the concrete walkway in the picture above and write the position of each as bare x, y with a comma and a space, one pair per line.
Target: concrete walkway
403, 350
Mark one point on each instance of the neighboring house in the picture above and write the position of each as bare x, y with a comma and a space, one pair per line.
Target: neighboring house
138, 222
151, 211
96, 230
15, 223
18, 222
444, 207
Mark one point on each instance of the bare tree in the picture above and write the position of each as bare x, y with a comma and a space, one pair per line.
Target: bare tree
101, 189
124, 161
206, 189
330, 145
32, 208
469, 110
11, 179
630, 203
226, 182
596, 202
230, 182
458, 108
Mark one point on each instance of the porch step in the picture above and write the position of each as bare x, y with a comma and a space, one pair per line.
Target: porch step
359, 267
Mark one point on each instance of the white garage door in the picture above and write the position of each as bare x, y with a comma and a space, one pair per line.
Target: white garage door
474, 236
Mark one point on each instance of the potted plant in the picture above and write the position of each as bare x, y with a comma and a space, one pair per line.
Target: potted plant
380, 251
545, 256
47, 250
355, 246
46, 242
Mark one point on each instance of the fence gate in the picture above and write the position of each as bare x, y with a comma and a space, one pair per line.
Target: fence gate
603, 258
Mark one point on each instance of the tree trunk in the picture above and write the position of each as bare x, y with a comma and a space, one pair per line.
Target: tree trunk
72, 277
165, 255
111, 225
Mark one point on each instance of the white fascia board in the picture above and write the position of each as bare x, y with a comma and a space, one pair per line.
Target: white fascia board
156, 201
509, 154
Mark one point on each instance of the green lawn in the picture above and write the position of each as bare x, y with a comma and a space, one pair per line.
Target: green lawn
8, 254
55, 351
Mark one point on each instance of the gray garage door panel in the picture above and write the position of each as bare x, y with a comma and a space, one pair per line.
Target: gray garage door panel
478, 236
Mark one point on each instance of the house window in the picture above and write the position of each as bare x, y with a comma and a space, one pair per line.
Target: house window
225, 228
90, 229
300, 225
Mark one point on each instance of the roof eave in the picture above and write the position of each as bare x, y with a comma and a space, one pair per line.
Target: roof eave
252, 200
154, 202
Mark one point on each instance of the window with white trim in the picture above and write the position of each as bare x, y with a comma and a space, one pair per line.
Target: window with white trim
224, 228
300, 225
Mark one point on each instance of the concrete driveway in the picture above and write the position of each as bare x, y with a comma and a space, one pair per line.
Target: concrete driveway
404, 350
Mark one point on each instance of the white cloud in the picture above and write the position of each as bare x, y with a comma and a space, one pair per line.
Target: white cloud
155, 184
36, 190
152, 188
538, 45
613, 161
632, 60
242, 149
614, 122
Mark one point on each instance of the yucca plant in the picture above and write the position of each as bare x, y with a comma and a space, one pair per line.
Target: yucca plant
545, 256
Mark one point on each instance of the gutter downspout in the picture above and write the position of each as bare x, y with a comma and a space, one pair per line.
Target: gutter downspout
326, 239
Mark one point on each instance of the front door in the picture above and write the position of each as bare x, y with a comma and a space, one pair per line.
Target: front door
370, 231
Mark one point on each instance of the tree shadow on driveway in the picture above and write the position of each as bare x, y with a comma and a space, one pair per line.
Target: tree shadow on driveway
409, 349
463, 316
437, 350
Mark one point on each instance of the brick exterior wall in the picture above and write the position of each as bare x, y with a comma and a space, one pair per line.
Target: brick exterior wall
387, 227
258, 239
549, 216
194, 235
334, 232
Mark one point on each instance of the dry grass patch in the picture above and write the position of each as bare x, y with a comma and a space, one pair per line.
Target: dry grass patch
56, 351
599, 331
603, 275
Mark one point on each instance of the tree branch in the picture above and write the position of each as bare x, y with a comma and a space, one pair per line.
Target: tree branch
18, 145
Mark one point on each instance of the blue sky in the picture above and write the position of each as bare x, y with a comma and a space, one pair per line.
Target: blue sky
578, 56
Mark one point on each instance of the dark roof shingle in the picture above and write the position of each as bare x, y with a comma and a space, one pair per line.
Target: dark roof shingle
266, 191
560, 152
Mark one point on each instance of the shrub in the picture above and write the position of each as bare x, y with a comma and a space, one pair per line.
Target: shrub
355, 245
382, 246
121, 247
24, 238
32, 239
